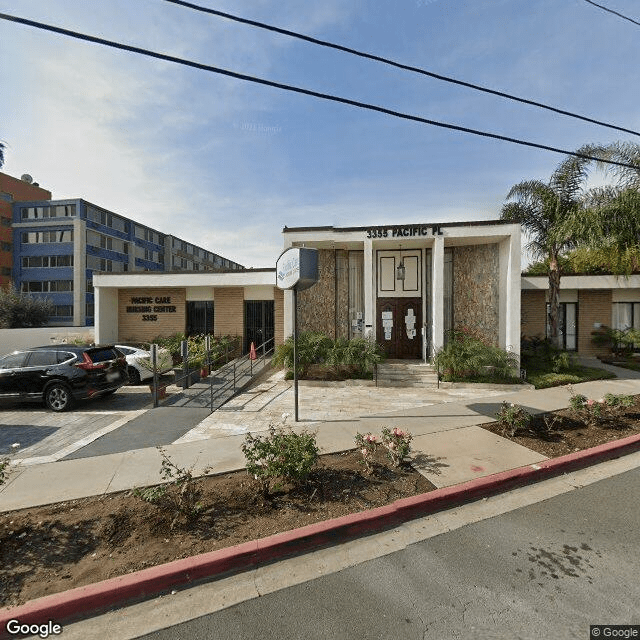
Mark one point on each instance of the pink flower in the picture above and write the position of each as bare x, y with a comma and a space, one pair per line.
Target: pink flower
392, 445
398, 432
371, 438
364, 452
590, 402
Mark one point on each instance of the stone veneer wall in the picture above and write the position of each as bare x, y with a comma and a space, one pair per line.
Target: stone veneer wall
475, 290
342, 294
317, 305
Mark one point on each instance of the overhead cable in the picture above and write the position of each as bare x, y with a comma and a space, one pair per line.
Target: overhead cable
399, 65
300, 90
615, 13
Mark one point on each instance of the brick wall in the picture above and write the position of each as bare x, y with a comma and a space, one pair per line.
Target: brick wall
229, 311
131, 324
18, 191
533, 309
278, 315
593, 306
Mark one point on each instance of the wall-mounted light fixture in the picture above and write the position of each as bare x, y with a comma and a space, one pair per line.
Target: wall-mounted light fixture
400, 270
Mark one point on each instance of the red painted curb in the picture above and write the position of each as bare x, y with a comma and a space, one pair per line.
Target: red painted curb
101, 596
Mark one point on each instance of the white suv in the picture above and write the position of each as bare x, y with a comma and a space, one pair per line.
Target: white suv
139, 363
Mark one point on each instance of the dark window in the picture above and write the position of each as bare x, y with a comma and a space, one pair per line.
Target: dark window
102, 355
63, 356
567, 325
199, 317
258, 322
42, 358
12, 361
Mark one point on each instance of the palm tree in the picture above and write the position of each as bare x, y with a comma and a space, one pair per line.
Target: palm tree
610, 216
1, 154
542, 208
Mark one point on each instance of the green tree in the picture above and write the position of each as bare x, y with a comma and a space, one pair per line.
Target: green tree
542, 209
19, 310
1, 154
609, 218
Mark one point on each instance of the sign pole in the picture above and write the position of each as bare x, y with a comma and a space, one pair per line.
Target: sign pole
295, 352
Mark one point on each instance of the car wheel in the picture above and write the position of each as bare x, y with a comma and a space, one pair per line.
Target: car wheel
58, 397
134, 375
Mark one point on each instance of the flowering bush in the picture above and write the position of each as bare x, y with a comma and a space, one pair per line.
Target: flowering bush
398, 444
512, 418
367, 445
283, 454
595, 411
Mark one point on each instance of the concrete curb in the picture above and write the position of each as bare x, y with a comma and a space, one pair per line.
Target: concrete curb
97, 598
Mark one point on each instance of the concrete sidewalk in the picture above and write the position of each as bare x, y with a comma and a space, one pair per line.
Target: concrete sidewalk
448, 447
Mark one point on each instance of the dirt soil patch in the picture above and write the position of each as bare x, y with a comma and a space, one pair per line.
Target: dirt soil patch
571, 433
50, 549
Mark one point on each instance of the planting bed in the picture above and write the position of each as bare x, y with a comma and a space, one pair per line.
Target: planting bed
573, 433
49, 549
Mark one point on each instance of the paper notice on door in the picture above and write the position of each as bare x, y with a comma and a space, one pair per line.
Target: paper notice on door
387, 315
387, 324
387, 334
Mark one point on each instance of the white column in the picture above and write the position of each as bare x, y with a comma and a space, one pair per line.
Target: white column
106, 315
437, 301
513, 285
79, 272
369, 291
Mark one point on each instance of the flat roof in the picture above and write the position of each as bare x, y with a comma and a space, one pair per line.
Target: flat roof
467, 223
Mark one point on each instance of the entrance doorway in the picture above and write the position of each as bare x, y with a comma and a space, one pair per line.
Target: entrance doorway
258, 322
399, 327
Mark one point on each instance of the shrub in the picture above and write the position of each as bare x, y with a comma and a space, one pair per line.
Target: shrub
596, 411
398, 444
512, 418
180, 497
21, 310
367, 444
316, 348
5, 464
282, 454
466, 355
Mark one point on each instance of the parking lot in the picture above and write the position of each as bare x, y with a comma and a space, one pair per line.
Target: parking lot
45, 436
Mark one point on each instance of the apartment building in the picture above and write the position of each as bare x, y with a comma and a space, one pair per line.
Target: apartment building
59, 244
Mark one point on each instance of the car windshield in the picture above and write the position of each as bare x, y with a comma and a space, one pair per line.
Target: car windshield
102, 355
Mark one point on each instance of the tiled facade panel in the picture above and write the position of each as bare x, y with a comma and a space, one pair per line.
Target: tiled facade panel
317, 305
133, 308
278, 315
593, 306
475, 290
532, 312
229, 311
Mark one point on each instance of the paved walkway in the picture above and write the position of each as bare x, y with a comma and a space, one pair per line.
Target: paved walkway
448, 446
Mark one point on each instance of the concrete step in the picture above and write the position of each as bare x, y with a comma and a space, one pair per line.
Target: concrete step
425, 384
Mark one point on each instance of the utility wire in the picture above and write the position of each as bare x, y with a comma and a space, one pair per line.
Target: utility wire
308, 92
615, 13
398, 65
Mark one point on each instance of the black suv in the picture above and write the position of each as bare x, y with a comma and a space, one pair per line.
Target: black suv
60, 374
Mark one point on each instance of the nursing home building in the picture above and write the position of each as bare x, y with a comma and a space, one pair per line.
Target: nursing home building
405, 286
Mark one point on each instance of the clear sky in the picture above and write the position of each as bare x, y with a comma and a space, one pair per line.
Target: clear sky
227, 164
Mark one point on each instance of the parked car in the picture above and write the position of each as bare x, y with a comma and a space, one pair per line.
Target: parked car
60, 374
139, 362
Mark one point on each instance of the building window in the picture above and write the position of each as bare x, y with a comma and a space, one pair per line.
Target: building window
626, 315
47, 286
89, 310
5, 271
41, 213
35, 237
89, 285
30, 262
5, 222
62, 311
567, 325
6, 246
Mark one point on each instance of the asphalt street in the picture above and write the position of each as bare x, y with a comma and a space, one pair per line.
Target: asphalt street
548, 570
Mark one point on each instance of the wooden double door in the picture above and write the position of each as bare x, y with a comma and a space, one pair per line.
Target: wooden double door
399, 327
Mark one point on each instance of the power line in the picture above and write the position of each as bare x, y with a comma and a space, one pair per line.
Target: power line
294, 89
398, 65
615, 13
